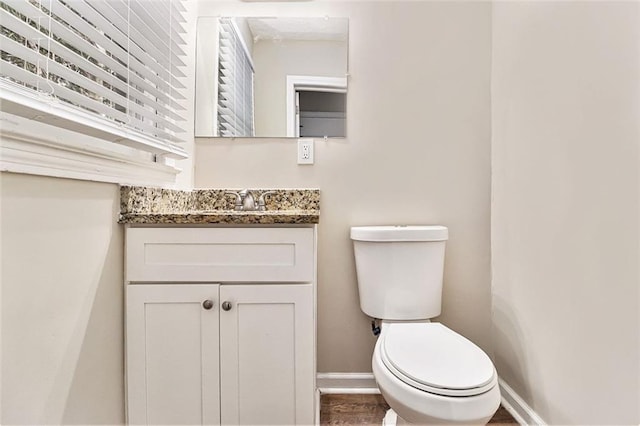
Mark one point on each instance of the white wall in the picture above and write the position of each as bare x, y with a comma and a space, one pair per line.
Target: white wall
417, 152
62, 302
565, 207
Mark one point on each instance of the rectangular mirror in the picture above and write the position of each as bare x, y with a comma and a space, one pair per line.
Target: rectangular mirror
271, 77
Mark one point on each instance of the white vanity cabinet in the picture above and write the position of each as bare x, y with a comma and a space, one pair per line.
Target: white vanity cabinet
220, 325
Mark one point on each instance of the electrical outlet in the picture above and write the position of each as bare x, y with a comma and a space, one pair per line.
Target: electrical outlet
305, 151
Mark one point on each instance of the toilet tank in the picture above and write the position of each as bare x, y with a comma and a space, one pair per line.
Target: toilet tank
399, 270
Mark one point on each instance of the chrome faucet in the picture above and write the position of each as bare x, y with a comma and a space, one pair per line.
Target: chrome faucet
245, 200
248, 202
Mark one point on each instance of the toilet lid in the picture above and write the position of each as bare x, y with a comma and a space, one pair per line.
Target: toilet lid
431, 357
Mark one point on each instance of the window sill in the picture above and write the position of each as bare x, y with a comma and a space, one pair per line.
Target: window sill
28, 146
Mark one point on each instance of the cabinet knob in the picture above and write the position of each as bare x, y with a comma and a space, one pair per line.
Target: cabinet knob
226, 306
207, 304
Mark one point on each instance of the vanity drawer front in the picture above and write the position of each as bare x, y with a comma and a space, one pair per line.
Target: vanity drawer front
220, 254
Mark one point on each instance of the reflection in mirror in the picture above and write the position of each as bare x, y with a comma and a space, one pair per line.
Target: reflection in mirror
271, 77
321, 113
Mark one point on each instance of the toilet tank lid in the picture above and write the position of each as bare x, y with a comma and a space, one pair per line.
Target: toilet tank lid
400, 233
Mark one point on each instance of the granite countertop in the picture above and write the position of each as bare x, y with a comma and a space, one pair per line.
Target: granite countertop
146, 205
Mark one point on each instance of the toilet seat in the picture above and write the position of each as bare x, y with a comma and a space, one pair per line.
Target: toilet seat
436, 359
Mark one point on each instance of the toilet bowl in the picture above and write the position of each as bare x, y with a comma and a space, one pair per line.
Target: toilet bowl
429, 374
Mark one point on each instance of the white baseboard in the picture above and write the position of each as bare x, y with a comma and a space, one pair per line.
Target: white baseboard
517, 407
346, 383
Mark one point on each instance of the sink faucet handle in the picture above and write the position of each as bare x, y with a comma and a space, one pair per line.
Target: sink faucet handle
239, 198
262, 205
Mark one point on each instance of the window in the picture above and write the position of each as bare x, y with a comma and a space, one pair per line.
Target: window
109, 70
235, 84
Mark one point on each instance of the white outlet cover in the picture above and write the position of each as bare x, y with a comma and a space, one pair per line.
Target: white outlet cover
305, 151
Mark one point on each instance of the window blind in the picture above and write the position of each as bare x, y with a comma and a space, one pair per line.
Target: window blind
106, 68
235, 84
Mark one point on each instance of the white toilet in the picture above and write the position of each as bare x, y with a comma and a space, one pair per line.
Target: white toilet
427, 373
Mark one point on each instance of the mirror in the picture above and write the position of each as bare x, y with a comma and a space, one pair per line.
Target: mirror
271, 77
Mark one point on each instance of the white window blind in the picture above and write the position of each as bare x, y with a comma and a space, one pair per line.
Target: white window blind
235, 84
105, 68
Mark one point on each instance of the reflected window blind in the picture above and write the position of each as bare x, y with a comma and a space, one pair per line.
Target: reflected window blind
108, 69
235, 84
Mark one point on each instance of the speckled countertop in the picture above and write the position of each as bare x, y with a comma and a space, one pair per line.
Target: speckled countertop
145, 205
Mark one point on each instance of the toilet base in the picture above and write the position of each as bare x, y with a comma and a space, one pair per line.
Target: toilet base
390, 419
393, 419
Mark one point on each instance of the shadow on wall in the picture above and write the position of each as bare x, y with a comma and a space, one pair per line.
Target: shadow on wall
511, 358
104, 327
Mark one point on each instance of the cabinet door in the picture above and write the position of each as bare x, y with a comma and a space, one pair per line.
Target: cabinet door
266, 354
172, 354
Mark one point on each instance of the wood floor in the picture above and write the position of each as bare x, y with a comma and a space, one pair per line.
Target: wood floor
366, 409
